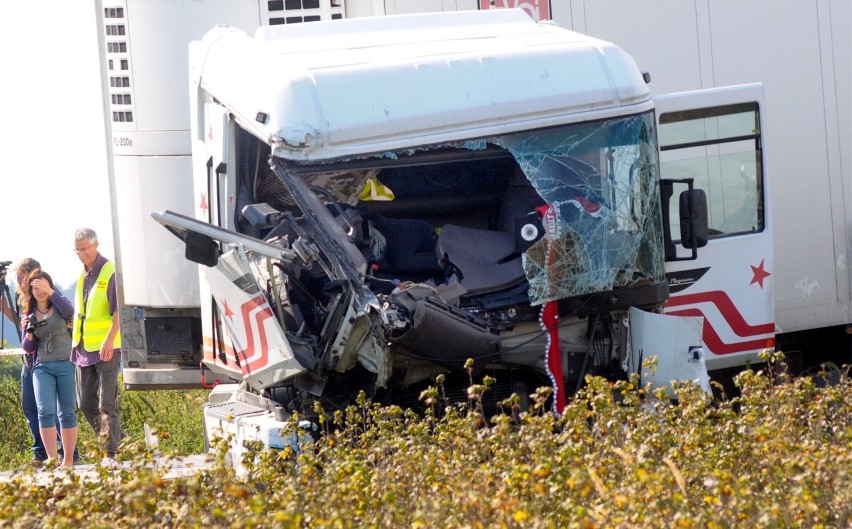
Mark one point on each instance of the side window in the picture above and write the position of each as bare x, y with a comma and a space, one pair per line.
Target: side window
720, 148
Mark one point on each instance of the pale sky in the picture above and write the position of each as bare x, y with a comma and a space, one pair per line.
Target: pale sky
52, 135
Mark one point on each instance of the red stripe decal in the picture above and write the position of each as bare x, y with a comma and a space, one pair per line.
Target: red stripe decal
715, 343
246, 308
727, 308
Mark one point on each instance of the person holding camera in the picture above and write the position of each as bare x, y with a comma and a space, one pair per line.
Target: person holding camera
45, 323
28, 402
97, 343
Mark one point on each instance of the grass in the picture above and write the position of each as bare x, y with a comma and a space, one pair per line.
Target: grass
175, 414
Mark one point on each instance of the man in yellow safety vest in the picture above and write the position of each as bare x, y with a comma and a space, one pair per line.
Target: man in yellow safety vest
97, 343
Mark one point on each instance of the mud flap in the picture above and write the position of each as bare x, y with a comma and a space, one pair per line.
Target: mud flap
675, 341
259, 345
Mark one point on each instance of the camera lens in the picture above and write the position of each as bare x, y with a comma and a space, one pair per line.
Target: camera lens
34, 324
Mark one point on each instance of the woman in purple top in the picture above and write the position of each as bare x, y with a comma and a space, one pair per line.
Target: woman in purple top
46, 335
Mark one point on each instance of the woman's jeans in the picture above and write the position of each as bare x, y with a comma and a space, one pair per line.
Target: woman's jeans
55, 385
30, 408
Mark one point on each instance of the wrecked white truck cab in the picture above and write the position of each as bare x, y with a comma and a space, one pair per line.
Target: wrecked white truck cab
381, 199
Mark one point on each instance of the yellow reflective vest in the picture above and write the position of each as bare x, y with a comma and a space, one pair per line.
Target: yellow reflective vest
96, 317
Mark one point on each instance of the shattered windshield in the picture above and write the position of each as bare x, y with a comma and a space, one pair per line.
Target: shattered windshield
593, 188
602, 226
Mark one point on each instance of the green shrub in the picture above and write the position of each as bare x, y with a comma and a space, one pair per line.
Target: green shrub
15, 433
777, 456
174, 414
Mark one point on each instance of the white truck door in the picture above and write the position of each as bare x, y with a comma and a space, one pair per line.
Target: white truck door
715, 137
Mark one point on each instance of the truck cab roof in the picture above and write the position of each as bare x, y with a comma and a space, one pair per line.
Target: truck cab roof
343, 88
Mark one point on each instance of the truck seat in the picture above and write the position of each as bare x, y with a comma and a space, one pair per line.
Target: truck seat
487, 259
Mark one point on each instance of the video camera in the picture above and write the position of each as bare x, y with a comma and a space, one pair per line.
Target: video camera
4, 267
35, 324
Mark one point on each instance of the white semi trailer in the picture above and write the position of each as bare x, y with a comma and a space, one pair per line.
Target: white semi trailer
755, 196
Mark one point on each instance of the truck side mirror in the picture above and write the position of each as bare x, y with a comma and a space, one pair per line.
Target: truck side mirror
201, 249
692, 214
693, 219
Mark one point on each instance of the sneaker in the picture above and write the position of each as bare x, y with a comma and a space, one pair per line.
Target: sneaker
109, 462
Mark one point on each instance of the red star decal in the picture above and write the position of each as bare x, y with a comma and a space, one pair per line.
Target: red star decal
203, 204
227, 310
759, 274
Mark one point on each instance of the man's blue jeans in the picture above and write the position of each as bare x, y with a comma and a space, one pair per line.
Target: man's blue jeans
28, 403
